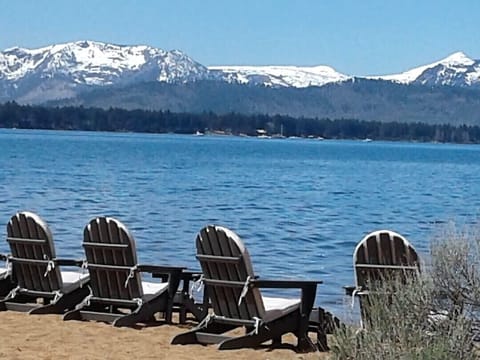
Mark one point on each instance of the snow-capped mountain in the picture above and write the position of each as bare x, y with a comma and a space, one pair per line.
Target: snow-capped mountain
455, 70
274, 76
58, 70
65, 70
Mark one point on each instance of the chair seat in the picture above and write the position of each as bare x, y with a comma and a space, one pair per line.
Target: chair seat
150, 288
277, 307
72, 279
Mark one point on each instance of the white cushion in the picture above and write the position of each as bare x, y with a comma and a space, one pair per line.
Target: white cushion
72, 280
71, 277
277, 307
150, 288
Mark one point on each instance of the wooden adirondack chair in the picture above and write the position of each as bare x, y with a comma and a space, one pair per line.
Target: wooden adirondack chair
118, 293
236, 299
40, 286
381, 255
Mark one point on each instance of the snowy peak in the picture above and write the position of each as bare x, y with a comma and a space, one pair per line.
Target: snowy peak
96, 63
457, 59
276, 76
455, 70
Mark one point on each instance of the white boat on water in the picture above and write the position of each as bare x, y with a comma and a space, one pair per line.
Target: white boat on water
198, 133
262, 134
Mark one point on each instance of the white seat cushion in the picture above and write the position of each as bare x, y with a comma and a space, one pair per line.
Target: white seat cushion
277, 307
150, 288
73, 279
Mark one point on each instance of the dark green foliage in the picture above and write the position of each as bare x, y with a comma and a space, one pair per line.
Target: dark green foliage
361, 99
13, 115
406, 325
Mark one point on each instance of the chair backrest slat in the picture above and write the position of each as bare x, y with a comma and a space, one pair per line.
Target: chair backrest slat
227, 272
111, 257
31, 245
226, 265
231, 245
383, 254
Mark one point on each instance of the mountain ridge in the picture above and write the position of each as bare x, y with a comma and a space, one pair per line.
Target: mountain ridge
89, 73
71, 67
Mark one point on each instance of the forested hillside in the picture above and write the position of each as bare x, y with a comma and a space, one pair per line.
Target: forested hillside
368, 100
13, 115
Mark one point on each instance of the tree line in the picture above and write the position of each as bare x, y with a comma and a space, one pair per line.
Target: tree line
13, 115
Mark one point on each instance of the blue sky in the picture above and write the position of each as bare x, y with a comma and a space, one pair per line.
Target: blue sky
359, 37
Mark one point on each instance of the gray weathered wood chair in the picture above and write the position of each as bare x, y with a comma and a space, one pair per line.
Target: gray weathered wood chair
118, 293
40, 286
236, 299
382, 255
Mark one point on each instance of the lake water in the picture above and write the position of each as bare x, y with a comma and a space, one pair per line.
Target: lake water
299, 205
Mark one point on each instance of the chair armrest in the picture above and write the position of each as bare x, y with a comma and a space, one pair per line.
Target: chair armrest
285, 284
69, 262
362, 293
308, 287
351, 290
190, 275
157, 271
170, 273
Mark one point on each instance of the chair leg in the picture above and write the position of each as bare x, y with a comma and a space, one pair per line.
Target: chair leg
3, 307
66, 302
322, 326
245, 341
146, 312
199, 311
277, 341
5, 286
190, 337
182, 314
305, 344
46, 309
252, 339
73, 315
131, 319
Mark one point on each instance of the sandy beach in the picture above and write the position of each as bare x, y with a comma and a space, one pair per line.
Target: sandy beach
48, 337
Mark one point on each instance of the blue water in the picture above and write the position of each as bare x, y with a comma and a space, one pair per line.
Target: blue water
299, 205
